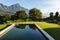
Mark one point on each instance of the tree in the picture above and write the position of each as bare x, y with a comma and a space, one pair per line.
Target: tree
13, 17
56, 15
59, 18
7, 17
35, 14
51, 15
21, 14
1, 19
1, 14
51, 18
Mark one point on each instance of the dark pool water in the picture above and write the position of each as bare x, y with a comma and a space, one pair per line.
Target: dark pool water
23, 32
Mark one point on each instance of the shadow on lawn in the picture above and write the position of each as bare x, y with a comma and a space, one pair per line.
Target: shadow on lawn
54, 32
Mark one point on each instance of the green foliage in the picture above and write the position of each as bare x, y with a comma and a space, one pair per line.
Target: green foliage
1, 14
35, 13
51, 15
53, 18
7, 16
21, 14
56, 15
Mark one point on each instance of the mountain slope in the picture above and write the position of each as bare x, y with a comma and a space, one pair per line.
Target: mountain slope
11, 9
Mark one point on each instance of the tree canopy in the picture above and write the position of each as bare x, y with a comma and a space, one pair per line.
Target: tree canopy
35, 13
21, 14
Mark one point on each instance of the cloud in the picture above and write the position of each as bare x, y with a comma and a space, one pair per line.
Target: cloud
50, 6
54, 6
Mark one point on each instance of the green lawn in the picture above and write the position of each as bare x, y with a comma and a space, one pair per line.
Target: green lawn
2, 26
52, 29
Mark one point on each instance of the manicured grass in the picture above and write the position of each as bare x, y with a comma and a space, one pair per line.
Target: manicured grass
2, 26
46, 25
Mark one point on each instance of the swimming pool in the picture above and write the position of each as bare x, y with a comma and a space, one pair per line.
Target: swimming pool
24, 32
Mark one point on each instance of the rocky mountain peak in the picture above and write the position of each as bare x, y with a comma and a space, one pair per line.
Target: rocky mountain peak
11, 9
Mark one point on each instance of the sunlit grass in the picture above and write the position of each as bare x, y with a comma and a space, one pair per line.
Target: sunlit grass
45, 25
2, 26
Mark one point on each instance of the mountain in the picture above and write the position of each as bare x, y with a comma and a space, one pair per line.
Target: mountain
17, 7
4, 9
11, 9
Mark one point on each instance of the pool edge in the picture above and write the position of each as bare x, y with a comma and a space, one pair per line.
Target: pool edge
45, 33
4, 31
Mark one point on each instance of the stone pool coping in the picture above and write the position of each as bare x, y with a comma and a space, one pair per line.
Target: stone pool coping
45, 33
4, 31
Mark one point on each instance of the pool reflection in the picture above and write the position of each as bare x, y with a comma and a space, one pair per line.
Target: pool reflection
22, 26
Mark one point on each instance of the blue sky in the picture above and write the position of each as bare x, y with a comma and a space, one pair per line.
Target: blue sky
43, 5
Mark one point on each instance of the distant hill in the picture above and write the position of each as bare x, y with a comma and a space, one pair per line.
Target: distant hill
11, 9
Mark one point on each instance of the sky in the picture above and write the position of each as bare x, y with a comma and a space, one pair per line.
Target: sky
43, 5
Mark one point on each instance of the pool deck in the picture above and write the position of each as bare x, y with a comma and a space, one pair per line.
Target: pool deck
6, 30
